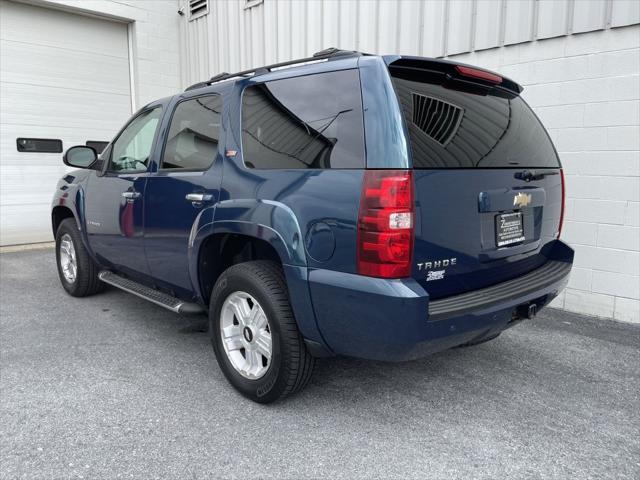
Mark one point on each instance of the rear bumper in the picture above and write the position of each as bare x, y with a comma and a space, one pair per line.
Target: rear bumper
394, 320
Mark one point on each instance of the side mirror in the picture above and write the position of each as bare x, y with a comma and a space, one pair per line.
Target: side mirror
80, 156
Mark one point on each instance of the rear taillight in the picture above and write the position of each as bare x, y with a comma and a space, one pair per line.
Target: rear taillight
562, 204
385, 224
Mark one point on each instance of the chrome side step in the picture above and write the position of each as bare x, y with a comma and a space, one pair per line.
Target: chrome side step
154, 296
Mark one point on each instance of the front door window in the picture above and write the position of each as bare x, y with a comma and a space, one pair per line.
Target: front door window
130, 153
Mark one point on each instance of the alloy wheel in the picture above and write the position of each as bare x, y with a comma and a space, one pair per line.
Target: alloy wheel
68, 262
246, 335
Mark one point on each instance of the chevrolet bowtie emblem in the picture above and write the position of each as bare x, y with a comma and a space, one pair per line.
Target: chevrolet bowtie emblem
522, 200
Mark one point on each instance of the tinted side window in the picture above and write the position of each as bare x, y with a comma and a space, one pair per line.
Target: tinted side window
130, 152
192, 142
313, 121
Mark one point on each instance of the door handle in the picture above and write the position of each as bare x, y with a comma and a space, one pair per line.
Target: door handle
130, 195
198, 197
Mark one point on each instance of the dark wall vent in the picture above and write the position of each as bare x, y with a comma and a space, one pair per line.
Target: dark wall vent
439, 120
39, 145
198, 8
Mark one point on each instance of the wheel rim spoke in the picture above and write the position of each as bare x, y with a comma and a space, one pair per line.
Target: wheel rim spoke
263, 344
233, 338
240, 309
255, 361
258, 318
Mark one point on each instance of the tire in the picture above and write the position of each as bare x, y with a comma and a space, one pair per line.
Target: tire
290, 365
85, 282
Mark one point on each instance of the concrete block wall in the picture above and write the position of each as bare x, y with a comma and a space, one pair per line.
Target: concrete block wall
586, 90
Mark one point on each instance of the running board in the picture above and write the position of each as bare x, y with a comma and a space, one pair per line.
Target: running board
154, 296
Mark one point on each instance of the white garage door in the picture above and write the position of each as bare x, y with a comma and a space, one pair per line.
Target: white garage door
62, 76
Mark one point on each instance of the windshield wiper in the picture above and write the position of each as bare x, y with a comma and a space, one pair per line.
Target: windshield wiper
528, 175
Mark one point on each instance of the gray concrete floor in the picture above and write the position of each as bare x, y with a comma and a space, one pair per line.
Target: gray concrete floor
114, 387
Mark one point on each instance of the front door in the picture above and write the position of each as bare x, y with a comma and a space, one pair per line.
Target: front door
114, 199
180, 196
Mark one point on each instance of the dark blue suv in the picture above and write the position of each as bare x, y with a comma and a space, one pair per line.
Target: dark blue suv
383, 207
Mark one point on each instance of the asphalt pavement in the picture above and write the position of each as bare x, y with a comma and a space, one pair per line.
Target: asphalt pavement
114, 387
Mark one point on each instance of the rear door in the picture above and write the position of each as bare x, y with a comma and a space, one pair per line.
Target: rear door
180, 195
488, 186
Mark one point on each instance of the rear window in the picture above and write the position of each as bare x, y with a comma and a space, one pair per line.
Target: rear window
456, 129
314, 121
192, 142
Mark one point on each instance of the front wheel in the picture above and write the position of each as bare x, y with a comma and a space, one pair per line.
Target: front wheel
77, 271
254, 333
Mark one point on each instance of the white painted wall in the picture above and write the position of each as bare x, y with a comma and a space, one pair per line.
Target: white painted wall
44, 94
154, 37
74, 71
579, 63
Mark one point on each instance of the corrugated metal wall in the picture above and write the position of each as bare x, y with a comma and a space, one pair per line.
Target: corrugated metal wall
238, 34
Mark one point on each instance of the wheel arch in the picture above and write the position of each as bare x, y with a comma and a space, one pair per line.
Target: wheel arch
68, 200
268, 227
60, 213
224, 248
246, 240
269, 220
221, 250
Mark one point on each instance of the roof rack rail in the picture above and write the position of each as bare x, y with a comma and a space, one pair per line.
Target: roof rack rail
325, 54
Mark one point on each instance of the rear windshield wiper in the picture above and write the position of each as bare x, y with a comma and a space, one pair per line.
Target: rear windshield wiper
528, 175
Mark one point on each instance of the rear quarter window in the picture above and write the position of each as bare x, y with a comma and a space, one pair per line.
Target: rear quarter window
457, 129
313, 121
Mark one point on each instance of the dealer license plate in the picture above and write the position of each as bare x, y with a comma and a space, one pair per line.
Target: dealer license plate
509, 229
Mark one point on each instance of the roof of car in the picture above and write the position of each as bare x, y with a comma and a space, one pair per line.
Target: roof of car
330, 54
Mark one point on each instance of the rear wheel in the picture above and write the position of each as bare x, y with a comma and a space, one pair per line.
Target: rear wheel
77, 271
254, 334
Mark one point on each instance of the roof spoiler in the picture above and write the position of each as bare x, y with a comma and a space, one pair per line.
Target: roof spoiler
459, 72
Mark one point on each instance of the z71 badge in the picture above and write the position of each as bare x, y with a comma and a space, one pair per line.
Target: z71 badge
435, 275
439, 264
